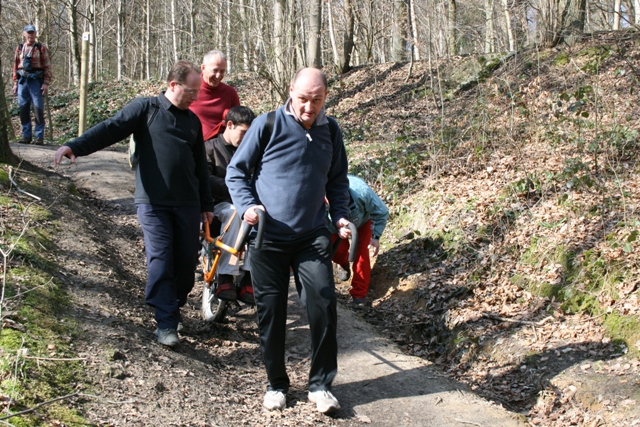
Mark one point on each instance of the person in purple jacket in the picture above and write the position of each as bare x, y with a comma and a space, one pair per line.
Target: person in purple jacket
285, 170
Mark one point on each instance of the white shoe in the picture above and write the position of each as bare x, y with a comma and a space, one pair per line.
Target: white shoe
274, 400
324, 400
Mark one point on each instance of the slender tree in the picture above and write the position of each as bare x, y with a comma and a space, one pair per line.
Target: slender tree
348, 41
314, 58
6, 155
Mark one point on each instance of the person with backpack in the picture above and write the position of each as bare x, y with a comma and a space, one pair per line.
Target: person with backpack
286, 169
220, 150
216, 97
31, 79
172, 192
369, 214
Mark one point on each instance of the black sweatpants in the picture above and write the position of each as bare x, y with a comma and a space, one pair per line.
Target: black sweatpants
310, 258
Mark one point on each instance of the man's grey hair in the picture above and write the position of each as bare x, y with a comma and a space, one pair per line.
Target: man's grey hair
209, 56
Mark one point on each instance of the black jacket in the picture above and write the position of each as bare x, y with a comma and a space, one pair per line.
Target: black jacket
219, 154
172, 169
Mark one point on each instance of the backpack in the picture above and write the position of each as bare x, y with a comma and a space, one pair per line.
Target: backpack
133, 152
35, 45
268, 127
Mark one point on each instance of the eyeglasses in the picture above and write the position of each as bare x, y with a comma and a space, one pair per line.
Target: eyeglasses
188, 91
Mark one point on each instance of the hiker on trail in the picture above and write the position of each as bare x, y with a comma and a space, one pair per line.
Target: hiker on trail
215, 97
297, 160
31, 79
219, 153
369, 214
172, 187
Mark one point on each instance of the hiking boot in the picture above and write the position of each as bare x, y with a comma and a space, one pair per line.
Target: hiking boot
245, 290
168, 337
344, 272
358, 303
38, 141
324, 400
226, 290
274, 400
24, 140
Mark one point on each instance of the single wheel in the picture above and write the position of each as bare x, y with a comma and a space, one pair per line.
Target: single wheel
213, 309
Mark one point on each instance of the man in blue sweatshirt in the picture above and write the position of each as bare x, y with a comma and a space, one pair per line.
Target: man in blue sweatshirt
286, 170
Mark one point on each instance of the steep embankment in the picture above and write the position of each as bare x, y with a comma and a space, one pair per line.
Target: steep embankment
511, 257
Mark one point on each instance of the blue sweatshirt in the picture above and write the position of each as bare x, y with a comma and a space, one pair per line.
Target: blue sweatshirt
293, 175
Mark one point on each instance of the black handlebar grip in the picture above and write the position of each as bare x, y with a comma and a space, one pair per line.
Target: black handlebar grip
354, 242
242, 236
261, 224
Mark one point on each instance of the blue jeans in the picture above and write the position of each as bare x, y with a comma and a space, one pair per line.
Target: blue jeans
30, 92
310, 258
171, 240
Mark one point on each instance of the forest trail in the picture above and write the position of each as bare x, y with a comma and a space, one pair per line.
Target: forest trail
377, 384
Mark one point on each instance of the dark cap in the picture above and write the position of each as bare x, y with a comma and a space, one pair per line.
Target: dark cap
29, 28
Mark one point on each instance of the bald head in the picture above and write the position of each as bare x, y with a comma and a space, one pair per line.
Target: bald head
308, 92
310, 73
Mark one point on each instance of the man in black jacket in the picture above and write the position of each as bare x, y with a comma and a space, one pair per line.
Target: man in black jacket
172, 187
219, 152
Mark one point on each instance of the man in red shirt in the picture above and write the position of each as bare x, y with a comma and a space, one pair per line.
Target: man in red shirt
31, 79
215, 97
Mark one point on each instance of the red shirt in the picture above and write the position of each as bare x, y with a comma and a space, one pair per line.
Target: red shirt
212, 103
39, 61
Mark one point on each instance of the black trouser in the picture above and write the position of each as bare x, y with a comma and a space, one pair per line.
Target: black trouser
310, 258
171, 245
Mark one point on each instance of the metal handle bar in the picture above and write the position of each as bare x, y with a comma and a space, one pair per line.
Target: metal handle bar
242, 235
261, 224
354, 242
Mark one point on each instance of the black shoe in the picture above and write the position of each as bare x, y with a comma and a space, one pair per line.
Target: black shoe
344, 272
38, 141
24, 140
358, 303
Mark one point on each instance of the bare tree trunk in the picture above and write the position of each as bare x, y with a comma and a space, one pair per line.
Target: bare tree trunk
93, 69
452, 34
6, 155
349, 35
616, 14
73, 42
332, 35
147, 36
399, 33
246, 45
279, 7
507, 21
489, 32
174, 31
120, 37
227, 38
636, 12
414, 30
192, 28
315, 26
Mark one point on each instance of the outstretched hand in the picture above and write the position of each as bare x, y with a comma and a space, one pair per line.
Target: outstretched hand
63, 152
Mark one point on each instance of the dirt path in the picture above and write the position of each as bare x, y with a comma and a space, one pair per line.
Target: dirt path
216, 377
